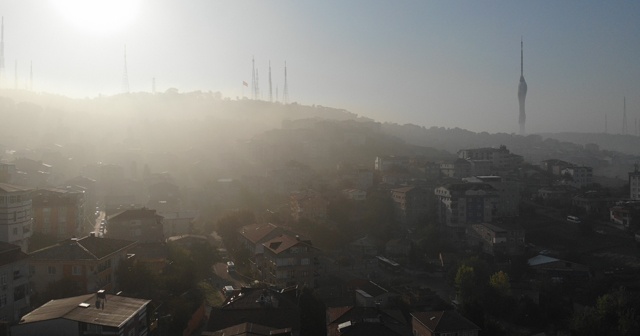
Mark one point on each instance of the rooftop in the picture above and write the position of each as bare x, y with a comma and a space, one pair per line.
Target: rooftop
87, 248
444, 321
256, 232
10, 188
115, 311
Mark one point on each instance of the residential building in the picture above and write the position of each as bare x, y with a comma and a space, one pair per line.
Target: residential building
14, 283
58, 212
7, 172
308, 204
16, 215
634, 184
356, 320
366, 246
176, 223
442, 323
253, 236
594, 202
458, 168
90, 262
411, 204
508, 192
578, 176
141, 224
263, 306
355, 194
498, 239
90, 314
555, 166
556, 194
556, 270
625, 214
501, 158
88, 186
391, 162
463, 204
290, 261
249, 329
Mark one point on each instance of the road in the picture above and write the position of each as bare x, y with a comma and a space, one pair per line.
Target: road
223, 278
97, 226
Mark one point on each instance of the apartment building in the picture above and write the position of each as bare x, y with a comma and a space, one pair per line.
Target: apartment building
290, 261
16, 219
90, 262
58, 212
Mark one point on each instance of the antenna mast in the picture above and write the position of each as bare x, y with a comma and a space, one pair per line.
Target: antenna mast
624, 115
285, 91
253, 78
270, 87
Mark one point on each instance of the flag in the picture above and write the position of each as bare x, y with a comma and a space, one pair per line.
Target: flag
245, 83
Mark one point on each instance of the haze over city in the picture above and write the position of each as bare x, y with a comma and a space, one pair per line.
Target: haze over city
451, 64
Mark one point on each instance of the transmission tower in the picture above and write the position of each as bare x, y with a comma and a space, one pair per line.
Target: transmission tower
257, 85
125, 75
624, 115
270, 89
285, 91
31, 76
253, 78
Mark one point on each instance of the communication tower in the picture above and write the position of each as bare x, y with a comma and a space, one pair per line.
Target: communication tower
624, 115
270, 87
285, 91
522, 91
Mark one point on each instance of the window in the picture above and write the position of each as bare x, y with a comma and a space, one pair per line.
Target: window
76, 270
304, 261
15, 229
3, 300
51, 270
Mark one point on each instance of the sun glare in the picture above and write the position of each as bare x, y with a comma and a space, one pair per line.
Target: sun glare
98, 16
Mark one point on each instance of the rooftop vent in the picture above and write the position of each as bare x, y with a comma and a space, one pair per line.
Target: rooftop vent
84, 305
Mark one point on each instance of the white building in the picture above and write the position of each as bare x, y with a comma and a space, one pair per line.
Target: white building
16, 215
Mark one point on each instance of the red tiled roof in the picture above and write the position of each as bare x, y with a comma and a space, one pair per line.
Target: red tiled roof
256, 232
282, 243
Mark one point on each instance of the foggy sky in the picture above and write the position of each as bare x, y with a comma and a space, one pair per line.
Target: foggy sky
451, 64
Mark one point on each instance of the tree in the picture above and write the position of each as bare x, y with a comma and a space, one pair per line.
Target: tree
500, 282
613, 314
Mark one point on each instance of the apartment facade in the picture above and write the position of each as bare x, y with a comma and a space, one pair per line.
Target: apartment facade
141, 224
90, 262
15, 293
290, 261
16, 215
58, 212
463, 204
411, 204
